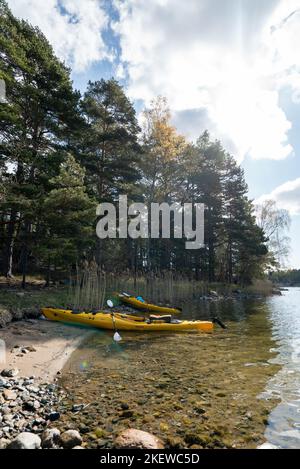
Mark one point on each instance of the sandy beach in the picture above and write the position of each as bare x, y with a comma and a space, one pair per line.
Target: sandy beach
51, 343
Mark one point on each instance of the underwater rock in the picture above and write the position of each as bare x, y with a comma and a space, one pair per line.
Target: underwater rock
70, 438
50, 438
138, 439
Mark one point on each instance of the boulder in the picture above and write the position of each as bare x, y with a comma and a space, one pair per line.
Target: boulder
3, 443
70, 438
17, 314
5, 317
10, 373
25, 440
267, 446
137, 439
31, 313
50, 438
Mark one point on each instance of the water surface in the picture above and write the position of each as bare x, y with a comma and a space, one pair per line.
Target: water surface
233, 388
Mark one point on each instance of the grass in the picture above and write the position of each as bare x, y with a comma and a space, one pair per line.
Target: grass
34, 298
91, 288
261, 287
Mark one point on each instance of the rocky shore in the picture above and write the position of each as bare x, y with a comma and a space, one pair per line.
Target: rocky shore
29, 409
237, 294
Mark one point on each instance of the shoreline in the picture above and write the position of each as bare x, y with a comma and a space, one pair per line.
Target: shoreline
40, 347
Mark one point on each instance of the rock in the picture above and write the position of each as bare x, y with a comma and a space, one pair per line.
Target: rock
137, 439
77, 407
267, 446
124, 406
50, 438
276, 292
126, 414
17, 314
3, 383
30, 348
53, 416
78, 447
9, 395
70, 438
5, 317
10, 373
25, 440
32, 313
3, 443
31, 405
213, 293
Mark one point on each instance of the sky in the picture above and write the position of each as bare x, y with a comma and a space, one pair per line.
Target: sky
229, 66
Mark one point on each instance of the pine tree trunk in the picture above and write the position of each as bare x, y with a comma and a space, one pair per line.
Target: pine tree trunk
211, 250
24, 254
10, 244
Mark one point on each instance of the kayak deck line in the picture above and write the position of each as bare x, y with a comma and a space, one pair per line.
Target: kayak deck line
121, 321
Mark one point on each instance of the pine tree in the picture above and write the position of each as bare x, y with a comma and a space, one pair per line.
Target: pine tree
66, 231
109, 147
38, 119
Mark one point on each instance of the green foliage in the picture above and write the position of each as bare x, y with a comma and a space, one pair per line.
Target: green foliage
108, 146
287, 277
68, 215
60, 155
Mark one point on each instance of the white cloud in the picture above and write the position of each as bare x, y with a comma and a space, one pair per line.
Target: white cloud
73, 27
225, 59
286, 196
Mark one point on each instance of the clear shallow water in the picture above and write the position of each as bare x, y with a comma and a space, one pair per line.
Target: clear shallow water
284, 420
235, 377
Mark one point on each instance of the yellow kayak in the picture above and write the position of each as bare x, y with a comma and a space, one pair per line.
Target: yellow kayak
144, 306
124, 322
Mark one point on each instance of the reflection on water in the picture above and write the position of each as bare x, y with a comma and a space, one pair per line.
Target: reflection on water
284, 422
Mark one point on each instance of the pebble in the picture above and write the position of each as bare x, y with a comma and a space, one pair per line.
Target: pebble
26, 406
53, 416
77, 407
9, 395
3, 382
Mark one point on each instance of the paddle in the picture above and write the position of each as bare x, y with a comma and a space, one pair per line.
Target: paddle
117, 337
219, 322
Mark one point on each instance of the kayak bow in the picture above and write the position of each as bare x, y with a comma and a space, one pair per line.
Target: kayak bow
144, 306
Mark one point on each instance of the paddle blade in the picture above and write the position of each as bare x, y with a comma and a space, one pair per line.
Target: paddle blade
117, 337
